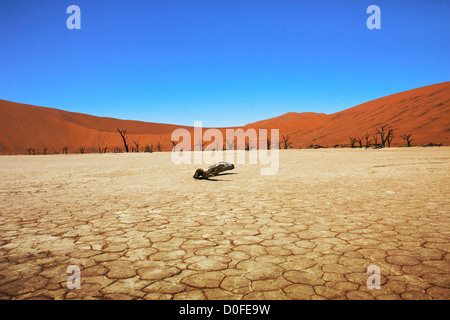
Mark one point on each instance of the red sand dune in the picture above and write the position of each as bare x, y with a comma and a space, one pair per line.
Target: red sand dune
424, 112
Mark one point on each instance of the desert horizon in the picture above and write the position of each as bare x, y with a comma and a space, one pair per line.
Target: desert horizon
423, 113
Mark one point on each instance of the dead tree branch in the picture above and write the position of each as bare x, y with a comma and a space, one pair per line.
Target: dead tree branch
124, 138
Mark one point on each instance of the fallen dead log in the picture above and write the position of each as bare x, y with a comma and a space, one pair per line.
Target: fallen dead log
213, 170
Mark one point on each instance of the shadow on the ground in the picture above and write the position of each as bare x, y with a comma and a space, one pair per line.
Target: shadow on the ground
215, 179
225, 174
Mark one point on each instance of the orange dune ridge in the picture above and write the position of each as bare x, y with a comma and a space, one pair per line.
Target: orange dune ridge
423, 112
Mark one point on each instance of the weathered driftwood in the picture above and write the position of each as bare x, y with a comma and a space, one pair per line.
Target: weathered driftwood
213, 170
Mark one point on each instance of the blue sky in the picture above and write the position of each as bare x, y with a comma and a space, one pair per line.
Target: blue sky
223, 62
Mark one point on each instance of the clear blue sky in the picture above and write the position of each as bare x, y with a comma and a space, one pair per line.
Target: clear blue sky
223, 62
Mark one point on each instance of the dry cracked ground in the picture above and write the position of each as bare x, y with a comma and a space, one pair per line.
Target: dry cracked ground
140, 227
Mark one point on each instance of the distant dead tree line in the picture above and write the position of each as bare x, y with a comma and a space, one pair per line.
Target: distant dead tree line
382, 138
230, 144
82, 149
147, 148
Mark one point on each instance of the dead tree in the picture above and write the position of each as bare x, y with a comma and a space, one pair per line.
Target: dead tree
408, 139
102, 150
389, 137
286, 143
368, 140
45, 150
200, 143
31, 151
376, 145
148, 148
65, 149
248, 145
136, 143
124, 138
382, 132
352, 142
268, 143
158, 147
359, 140
82, 149
230, 144
174, 143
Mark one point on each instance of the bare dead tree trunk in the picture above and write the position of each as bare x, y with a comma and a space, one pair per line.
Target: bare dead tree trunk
124, 138
389, 137
82, 149
158, 147
375, 142
368, 140
213, 170
200, 144
408, 139
136, 143
287, 144
65, 149
174, 143
382, 132
230, 144
102, 150
352, 142
248, 144
359, 140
